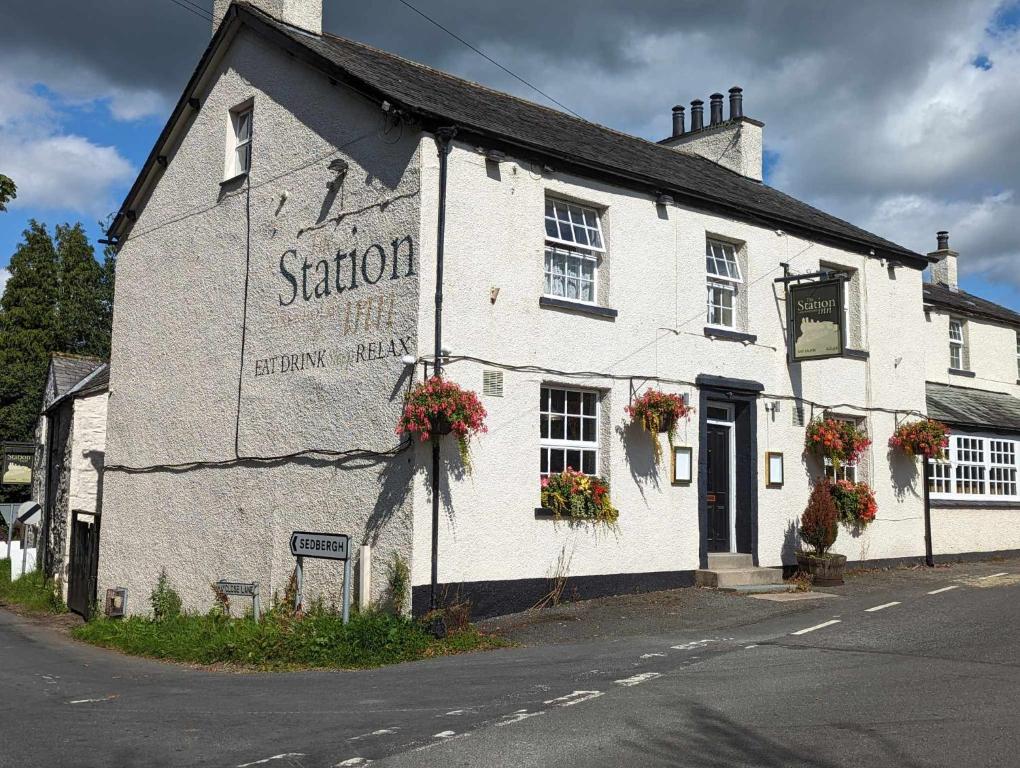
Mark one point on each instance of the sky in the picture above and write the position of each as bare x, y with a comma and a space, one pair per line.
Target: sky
903, 118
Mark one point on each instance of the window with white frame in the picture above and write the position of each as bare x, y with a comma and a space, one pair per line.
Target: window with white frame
723, 271
977, 468
569, 430
573, 242
848, 470
239, 149
957, 345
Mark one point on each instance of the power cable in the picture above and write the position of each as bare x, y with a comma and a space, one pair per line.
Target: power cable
489, 58
193, 9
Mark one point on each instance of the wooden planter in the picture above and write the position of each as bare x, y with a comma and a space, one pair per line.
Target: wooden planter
826, 570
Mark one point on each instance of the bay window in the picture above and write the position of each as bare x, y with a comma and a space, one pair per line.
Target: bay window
568, 428
977, 468
723, 279
573, 242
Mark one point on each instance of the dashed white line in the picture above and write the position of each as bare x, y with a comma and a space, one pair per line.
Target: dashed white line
353, 761
816, 626
994, 575
944, 589
455, 712
638, 679
444, 734
574, 698
650, 655
883, 606
516, 717
265, 760
93, 701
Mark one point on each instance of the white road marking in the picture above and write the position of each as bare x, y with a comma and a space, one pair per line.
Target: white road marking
455, 712
816, 626
650, 655
444, 734
516, 717
380, 732
691, 646
944, 589
638, 679
882, 606
353, 761
574, 698
93, 701
752, 645
270, 759
994, 575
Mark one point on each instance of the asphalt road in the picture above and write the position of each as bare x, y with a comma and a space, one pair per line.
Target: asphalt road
932, 680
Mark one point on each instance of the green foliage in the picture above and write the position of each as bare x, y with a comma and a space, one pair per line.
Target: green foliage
398, 584
8, 191
31, 592
82, 315
27, 332
819, 523
166, 603
281, 640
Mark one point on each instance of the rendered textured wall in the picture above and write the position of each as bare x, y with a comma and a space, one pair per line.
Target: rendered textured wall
257, 320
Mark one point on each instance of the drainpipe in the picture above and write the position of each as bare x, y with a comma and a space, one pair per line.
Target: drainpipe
443, 138
929, 557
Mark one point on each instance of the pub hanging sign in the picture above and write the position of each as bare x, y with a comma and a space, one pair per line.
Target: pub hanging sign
16, 463
816, 320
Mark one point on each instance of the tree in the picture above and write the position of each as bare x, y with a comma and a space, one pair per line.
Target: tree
82, 310
27, 332
8, 191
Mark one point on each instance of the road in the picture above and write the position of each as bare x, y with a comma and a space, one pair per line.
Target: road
900, 672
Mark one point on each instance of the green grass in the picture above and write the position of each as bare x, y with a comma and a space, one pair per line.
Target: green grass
30, 592
281, 641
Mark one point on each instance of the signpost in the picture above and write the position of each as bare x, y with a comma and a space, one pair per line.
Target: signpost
16, 468
816, 320
324, 546
242, 589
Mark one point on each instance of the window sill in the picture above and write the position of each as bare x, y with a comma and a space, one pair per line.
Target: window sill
234, 179
551, 302
856, 354
961, 372
729, 335
976, 504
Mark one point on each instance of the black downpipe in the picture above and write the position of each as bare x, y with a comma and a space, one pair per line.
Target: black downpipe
929, 557
443, 138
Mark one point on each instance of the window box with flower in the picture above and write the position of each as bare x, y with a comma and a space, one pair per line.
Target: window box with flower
580, 497
855, 502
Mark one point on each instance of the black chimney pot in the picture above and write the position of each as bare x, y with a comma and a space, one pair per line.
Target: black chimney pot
716, 108
736, 102
678, 120
943, 238
697, 115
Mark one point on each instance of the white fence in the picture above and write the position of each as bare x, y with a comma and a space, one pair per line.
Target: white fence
16, 557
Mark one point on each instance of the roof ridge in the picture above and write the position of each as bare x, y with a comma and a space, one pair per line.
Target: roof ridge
75, 356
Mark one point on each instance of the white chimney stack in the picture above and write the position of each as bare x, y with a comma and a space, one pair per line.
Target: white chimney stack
944, 271
303, 14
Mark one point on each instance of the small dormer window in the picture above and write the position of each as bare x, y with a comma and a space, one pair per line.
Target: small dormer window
239, 149
957, 345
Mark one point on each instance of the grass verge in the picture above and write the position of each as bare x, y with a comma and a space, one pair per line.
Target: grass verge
30, 592
281, 641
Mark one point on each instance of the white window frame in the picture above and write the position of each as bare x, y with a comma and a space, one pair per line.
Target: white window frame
548, 443
721, 284
848, 470
1018, 356
957, 344
577, 242
729, 421
236, 142
987, 464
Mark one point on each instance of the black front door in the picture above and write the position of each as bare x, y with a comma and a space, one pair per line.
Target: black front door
718, 491
84, 565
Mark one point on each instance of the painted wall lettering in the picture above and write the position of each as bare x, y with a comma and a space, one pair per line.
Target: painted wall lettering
380, 349
313, 279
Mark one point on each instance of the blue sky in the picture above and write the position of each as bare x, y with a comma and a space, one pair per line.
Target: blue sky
903, 127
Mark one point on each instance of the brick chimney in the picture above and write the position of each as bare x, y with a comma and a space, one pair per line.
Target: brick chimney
734, 142
943, 271
303, 14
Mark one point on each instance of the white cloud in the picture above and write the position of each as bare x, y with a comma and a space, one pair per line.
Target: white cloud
5, 275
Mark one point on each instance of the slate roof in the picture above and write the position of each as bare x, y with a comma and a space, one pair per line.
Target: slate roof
67, 370
965, 407
963, 303
437, 98
96, 380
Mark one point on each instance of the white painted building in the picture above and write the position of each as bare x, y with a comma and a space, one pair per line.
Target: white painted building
278, 260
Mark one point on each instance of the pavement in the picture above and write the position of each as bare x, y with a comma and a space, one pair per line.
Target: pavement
902, 668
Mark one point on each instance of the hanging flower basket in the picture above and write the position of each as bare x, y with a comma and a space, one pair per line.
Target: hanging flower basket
837, 440
927, 438
578, 496
438, 407
658, 412
855, 502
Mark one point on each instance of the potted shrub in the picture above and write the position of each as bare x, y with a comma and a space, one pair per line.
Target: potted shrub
927, 438
855, 502
437, 407
836, 439
819, 526
658, 412
578, 496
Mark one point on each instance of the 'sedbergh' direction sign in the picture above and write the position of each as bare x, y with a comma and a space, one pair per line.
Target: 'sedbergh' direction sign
329, 546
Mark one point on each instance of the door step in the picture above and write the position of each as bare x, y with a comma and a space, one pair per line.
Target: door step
724, 578
727, 561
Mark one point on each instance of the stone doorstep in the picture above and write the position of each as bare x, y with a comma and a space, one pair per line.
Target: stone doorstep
727, 561
738, 577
